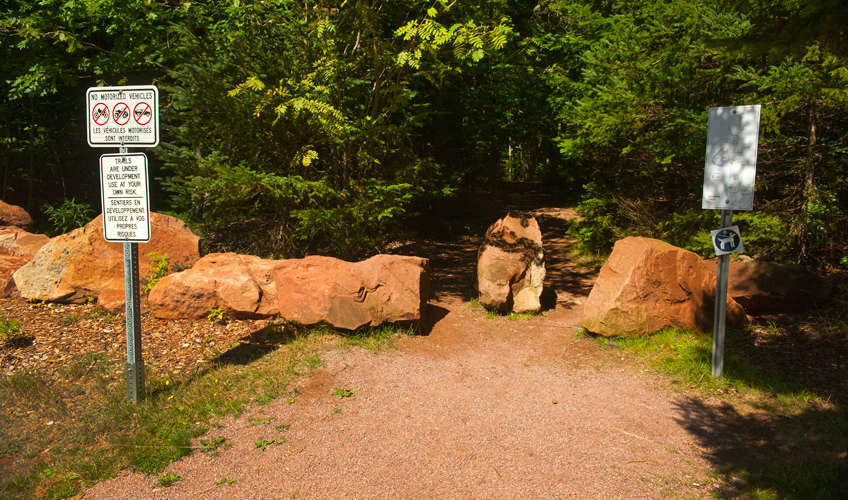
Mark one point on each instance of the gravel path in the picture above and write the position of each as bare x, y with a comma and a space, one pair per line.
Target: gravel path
478, 408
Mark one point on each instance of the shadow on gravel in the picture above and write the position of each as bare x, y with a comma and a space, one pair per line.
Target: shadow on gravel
256, 345
432, 314
801, 455
560, 272
548, 298
453, 264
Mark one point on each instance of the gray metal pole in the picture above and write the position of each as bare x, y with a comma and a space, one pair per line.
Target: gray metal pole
721, 303
135, 365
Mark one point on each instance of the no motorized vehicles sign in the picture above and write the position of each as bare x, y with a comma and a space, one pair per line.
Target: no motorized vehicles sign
123, 116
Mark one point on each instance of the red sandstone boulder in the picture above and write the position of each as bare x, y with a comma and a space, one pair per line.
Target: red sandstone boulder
17, 247
382, 289
240, 285
511, 265
767, 287
113, 301
16, 241
81, 264
13, 215
8, 265
647, 285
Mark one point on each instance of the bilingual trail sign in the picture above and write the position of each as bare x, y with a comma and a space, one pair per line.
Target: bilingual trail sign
124, 195
730, 167
122, 116
731, 160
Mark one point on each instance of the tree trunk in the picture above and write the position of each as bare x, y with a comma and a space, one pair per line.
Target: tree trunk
31, 169
809, 181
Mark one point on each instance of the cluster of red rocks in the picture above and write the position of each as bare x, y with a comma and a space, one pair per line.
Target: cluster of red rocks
312, 290
81, 265
646, 284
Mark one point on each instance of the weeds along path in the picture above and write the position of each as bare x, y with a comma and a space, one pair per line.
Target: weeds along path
477, 407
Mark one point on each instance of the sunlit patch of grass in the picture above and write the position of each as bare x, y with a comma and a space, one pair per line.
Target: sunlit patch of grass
476, 306
378, 338
687, 358
79, 424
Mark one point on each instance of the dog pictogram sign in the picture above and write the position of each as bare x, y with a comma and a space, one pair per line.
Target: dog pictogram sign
123, 116
727, 240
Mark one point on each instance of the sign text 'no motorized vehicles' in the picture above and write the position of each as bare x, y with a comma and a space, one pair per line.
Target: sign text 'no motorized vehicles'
123, 116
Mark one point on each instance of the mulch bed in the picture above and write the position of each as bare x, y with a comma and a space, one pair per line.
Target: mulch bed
58, 333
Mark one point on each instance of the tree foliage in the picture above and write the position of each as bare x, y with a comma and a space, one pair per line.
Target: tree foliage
326, 126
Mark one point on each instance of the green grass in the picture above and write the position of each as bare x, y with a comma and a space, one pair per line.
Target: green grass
475, 305
263, 443
167, 480
70, 319
686, 357
96, 432
378, 338
343, 393
212, 446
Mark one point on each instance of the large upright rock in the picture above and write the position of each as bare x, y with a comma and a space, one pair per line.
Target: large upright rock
647, 285
239, 285
13, 215
511, 265
382, 289
17, 247
81, 264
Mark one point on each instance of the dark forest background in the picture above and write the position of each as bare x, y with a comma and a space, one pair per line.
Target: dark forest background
337, 126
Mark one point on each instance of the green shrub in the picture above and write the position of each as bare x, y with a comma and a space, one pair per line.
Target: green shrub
598, 230
67, 216
243, 209
10, 330
766, 236
159, 268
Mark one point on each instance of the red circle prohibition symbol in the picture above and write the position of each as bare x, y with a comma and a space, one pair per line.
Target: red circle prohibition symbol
142, 114
121, 113
100, 113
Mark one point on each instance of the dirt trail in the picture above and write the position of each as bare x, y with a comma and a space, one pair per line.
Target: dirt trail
477, 408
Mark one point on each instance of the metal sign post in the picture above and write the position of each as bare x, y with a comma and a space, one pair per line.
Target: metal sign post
135, 365
729, 171
721, 303
126, 116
